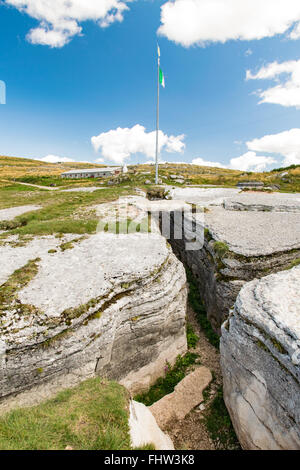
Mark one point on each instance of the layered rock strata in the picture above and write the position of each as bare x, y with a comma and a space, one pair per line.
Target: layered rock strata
260, 358
112, 305
237, 247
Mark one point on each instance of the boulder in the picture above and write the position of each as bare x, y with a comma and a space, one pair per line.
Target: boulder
145, 430
260, 359
111, 305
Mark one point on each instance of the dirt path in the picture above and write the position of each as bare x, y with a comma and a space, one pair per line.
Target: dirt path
48, 188
190, 433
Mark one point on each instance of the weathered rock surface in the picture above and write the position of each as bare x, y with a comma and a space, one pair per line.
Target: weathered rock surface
145, 430
11, 213
223, 248
111, 305
260, 358
187, 394
203, 196
263, 202
15, 254
238, 247
254, 233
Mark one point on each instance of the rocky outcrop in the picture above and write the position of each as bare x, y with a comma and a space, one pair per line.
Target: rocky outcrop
260, 358
144, 429
106, 304
263, 202
238, 246
224, 248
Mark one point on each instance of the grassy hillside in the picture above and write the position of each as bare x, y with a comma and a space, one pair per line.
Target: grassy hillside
14, 167
46, 174
92, 416
288, 179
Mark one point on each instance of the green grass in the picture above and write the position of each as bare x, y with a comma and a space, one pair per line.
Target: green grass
60, 213
92, 416
17, 281
165, 385
293, 264
219, 426
51, 180
221, 249
192, 338
199, 309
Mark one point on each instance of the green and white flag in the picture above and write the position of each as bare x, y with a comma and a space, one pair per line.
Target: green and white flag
161, 78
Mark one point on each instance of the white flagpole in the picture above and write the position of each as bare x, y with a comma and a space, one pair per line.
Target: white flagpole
157, 117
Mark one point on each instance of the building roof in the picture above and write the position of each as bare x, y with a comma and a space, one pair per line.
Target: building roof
91, 170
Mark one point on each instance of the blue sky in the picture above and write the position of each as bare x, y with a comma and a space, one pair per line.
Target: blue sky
103, 79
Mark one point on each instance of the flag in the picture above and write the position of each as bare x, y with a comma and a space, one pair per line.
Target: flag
161, 78
158, 50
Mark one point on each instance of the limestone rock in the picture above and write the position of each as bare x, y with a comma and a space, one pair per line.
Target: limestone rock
260, 358
187, 394
203, 196
263, 202
113, 305
238, 246
145, 430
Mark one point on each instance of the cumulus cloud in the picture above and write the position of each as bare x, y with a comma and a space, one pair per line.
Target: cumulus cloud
287, 91
249, 161
119, 144
59, 20
189, 22
202, 162
285, 143
55, 159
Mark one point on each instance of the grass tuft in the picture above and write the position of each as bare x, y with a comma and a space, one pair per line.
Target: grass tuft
165, 385
199, 309
219, 426
192, 338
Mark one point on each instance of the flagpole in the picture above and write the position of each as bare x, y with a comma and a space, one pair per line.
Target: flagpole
157, 119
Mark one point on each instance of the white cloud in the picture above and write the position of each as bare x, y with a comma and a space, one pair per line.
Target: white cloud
119, 144
285, 143
55, 159
190, 22
59, 19
202, 162
247, 162
251, 162
287, 91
